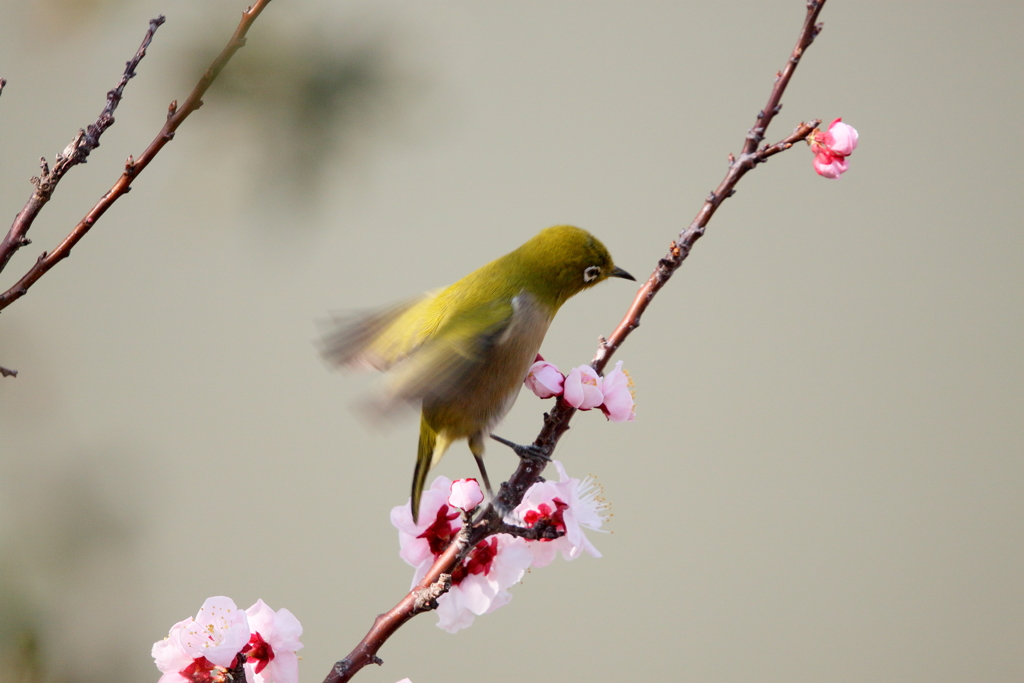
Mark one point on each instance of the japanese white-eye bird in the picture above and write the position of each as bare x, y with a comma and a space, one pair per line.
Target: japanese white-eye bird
464, 351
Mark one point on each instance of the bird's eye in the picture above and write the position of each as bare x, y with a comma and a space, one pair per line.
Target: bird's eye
591, 273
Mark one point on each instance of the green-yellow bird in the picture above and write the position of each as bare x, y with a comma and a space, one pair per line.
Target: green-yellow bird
463, 352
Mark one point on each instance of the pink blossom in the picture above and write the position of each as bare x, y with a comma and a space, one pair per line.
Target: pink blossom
219, 631
568, 506
466, 494
583, 388
544, 379
480, 583
420, 542
618, 403
170, 657
844, 138
201, 649
831, 148
270, 653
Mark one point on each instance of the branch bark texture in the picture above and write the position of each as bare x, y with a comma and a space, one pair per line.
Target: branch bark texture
132, 168
75, 153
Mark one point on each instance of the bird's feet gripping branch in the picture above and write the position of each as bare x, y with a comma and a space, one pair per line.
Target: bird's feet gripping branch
528, 452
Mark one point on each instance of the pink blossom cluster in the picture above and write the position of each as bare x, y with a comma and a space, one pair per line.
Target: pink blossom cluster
204, 648
831, 148
584, 389
481, 581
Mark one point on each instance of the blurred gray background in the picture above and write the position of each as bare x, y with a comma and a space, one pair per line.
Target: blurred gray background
824, 479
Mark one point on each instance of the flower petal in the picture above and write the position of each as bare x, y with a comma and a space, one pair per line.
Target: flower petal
583, 388
618, 403
844, 138
544, 379
830, 166
466, 494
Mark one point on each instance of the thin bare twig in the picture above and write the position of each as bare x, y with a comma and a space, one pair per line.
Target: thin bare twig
422, 598
2, 84
5, 372
75, 153
133, 167
556, 423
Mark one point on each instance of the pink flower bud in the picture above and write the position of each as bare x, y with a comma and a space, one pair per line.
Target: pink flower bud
831, 148
618, 397
544, 379
583, 388
466, 494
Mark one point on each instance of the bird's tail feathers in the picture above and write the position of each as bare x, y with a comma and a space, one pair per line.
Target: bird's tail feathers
431, 449
424, 456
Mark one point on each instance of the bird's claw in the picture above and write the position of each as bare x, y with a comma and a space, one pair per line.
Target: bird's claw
530, 452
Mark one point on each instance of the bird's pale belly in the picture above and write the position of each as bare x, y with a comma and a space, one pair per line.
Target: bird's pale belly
477, 400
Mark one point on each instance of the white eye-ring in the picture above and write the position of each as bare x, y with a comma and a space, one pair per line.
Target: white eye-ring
591, 273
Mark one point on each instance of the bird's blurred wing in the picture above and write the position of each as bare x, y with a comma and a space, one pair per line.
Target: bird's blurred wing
377, 339
459, 346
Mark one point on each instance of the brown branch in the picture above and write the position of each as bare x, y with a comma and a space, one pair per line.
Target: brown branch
133, 167
681, 247
750, 157
237, 672
422, 598
75, 153
2, 84
808, 33
5, 372
556, 423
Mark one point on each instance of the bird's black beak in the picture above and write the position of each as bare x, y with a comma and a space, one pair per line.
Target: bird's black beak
619, 272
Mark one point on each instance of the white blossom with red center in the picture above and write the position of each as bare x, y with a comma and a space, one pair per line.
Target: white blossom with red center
421, 542
202, 649
480, 583
568, 506
270, 653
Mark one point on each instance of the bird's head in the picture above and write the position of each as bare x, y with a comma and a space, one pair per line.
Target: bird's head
564, 260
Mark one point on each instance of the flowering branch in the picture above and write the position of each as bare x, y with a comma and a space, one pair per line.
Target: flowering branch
132, 168
556, 423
